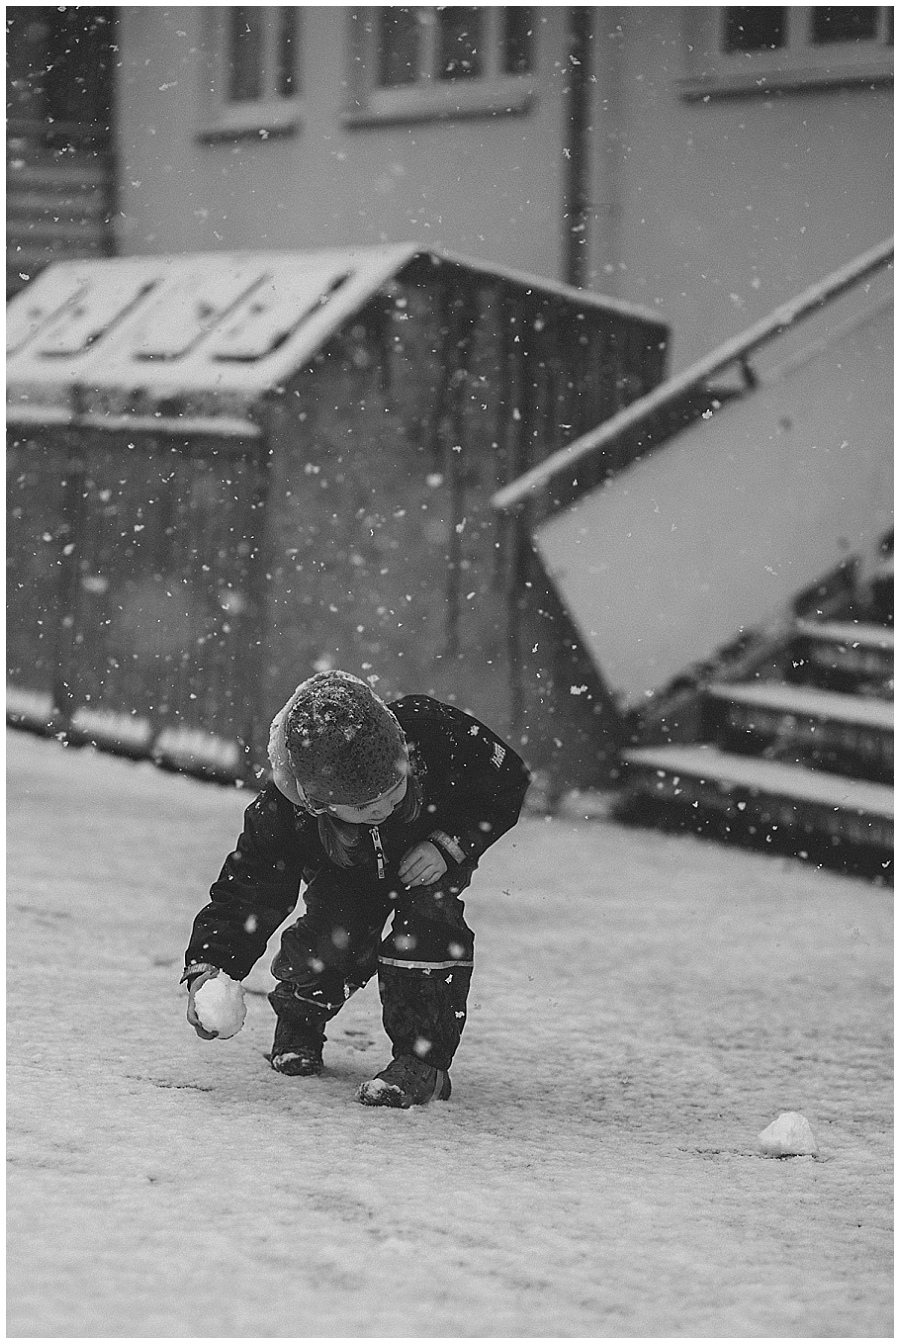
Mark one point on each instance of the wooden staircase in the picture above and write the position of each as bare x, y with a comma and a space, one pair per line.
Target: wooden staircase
59, 198
60, 170
795, 753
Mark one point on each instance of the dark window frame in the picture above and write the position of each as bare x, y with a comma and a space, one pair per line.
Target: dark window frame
797, 62
409, 83
261, 101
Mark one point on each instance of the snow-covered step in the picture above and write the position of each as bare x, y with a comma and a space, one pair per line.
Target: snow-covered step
704, 761
808, 702
850, 650
808, 726
854, 633
853, 810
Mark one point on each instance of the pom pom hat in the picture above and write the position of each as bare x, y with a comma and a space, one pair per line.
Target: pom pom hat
336, 742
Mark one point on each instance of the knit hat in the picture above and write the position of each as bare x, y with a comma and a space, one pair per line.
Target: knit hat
336, 741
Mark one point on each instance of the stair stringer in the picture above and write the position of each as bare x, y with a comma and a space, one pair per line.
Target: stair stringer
684, 552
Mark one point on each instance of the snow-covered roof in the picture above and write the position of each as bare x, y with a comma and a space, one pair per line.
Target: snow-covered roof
236, 323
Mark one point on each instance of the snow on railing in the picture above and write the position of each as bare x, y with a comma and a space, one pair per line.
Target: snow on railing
735, 350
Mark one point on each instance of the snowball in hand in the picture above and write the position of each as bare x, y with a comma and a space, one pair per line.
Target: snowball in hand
219, 1004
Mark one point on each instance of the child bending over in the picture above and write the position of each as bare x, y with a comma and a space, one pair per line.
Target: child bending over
383, 812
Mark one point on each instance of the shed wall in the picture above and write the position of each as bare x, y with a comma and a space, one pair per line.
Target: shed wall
171, 587
132, 607
382, 550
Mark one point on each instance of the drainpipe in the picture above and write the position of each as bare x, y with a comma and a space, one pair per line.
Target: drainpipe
609, 116
576, 215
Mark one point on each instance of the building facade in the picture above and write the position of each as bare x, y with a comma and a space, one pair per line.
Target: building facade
707, 162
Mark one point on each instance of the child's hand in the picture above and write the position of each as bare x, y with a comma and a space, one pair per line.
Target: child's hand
422, 864
192, 1011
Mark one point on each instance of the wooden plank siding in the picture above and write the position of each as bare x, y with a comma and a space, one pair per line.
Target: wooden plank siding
129, 587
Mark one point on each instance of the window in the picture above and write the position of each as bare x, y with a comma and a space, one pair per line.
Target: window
756, 48
253, 69
419, 62
746, 29
844, 25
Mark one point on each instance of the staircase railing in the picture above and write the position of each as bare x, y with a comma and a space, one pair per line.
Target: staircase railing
696, 376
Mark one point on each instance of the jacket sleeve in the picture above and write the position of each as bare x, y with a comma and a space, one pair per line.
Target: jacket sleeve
257, 889
488, 782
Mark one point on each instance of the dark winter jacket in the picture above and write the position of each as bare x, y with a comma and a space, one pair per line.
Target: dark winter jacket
472, 785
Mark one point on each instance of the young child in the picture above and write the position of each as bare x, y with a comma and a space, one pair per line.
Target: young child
380, 810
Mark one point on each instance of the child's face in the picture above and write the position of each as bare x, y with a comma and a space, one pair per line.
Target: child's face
373, 813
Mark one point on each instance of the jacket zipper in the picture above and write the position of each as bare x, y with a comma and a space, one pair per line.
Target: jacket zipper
379, 852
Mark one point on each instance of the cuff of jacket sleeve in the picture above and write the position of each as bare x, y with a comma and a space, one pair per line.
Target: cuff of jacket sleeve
449, 845
196, 968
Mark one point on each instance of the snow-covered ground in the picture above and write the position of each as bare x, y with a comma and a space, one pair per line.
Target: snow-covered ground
643, 1006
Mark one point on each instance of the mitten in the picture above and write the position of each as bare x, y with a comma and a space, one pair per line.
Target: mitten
218, 1004
194, 982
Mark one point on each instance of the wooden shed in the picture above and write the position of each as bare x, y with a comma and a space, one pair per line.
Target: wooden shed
228, 470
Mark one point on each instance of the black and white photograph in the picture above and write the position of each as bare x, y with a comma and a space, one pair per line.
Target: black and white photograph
449, 719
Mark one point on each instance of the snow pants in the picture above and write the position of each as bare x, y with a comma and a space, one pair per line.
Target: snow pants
424, 963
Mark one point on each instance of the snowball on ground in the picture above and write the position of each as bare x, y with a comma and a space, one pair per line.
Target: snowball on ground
220, 1006
789, 1136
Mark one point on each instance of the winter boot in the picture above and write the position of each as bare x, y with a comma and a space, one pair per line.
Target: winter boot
297, 1048
406, 1082
424, 1013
